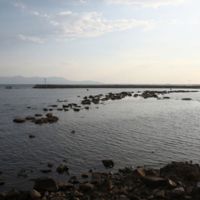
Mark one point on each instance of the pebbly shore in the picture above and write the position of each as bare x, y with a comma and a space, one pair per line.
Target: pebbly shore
175, 181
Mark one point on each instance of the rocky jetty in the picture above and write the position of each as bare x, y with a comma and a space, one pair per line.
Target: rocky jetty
175, 181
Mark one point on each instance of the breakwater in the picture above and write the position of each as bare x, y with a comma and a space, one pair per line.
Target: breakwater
55, 86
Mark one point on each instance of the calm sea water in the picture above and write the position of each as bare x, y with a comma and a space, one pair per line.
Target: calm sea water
132, 132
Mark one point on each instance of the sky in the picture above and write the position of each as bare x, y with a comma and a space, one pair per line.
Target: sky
110, 41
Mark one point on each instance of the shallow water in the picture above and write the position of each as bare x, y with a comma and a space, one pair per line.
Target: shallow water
132, 131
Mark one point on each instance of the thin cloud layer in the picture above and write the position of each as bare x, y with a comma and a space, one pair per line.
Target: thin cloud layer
93, 24
68, 24
146, 3
33, 39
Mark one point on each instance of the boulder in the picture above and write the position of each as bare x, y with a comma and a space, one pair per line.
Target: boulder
84, 175
65, 186
86, 187
35, 194
181, 171
153, 181
108, 163
45, 184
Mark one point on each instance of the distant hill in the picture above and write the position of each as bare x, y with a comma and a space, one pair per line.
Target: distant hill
41, 80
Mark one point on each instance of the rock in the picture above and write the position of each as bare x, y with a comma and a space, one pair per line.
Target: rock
53, 106
35, 194
76, 109
49, 115
86, 187
153, 181
181, 171
73, 131
171, 184
86, 102
30, 118
31, 136
50, 165
65, 186
123, 197
38, 115
74, 180
45, 184
19, 120
108, 163
186, 99
62, 169
166, 97
41, 121
13, 195
23, 173
149, 94
177, 192
2, 196
45, 171
52, 119
2, 183
84, 175
139, 172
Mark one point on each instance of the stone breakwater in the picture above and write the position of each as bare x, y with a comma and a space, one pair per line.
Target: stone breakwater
178, 180
87, 101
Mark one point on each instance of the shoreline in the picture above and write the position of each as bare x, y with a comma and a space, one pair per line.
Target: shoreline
177, 180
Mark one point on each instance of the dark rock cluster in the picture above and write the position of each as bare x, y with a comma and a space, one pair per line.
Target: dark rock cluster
95, 99
38, 119
175, 181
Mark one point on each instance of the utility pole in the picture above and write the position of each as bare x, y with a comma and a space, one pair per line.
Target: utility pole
45, 82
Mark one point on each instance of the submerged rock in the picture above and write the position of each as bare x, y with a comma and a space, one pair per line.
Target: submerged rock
31, 136
38, 115
30, 118
45, 171
108, 163
19, 120
62, 169
186, 99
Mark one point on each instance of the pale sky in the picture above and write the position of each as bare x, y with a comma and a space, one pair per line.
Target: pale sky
111, 41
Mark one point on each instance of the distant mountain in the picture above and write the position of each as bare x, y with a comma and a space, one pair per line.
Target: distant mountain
41, 80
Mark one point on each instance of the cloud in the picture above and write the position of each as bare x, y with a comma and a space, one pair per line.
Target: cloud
65, 13
69, 25
93, 24
33, 39
19, 4
146, 3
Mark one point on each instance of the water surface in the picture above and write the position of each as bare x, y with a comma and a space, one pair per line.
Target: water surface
132, 132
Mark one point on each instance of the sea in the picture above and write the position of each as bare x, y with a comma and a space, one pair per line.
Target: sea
131, 131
